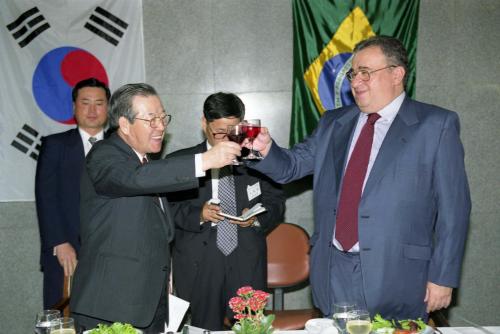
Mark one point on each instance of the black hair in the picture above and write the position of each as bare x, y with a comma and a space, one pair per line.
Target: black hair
391, 47
223, 105
90, 82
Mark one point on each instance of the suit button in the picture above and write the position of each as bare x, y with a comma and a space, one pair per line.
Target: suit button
205, 243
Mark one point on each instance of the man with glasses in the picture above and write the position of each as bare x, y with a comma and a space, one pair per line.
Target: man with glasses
391, 196
126, 226
57, 185
207, 271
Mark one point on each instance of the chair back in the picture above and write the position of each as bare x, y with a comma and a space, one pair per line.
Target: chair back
288, 266
287, 256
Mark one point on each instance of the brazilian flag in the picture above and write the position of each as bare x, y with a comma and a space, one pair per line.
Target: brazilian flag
325, 33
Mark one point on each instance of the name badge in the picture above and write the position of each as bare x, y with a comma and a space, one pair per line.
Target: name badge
253, 191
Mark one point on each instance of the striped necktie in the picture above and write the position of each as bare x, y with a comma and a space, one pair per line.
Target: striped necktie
227, 233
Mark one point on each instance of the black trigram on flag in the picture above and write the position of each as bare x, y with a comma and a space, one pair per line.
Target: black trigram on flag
106, 25
28, 141
28, 26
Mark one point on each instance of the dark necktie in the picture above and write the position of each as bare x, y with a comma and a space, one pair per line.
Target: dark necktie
92, 140
227, 233
346, 230
156, 198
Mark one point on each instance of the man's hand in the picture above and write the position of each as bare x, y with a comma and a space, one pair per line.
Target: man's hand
210, 213
220, 155
245, 223
66, 256
437, 297
261, 143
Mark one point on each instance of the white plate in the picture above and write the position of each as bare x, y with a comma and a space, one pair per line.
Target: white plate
318, 325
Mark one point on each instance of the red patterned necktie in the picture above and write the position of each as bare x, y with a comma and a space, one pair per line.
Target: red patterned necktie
346, 230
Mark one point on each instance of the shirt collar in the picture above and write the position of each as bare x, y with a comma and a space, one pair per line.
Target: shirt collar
389, 112
85, 135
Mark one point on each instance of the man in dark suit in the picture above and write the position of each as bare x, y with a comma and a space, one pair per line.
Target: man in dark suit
391, 197
204, 274
126, 228
57, 185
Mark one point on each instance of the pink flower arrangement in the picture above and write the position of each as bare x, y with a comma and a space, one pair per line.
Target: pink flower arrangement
248, 307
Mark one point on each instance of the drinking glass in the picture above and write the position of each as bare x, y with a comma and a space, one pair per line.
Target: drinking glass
64, 325
236, 133
341, 314
45, 320
251, 127
360, 323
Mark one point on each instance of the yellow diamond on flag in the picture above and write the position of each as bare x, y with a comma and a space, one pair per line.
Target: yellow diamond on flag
325, 76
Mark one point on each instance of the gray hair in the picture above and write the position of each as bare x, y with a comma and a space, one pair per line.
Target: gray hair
120, 104
391, 47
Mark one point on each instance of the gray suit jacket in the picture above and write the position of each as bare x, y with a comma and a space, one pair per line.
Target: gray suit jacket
414, 211
125, 254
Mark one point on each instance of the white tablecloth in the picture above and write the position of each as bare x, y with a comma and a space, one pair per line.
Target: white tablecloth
444, 330
470, 330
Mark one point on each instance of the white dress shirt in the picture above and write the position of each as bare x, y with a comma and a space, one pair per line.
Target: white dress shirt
85, 139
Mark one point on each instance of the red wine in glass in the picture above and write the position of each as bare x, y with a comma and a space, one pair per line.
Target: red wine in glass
251, 131
236, 134
251, 128
237, 138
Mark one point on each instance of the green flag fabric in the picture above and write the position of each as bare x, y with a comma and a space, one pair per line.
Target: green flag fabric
325, 33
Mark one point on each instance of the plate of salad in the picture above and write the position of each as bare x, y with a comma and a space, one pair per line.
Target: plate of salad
115, 328
409, 326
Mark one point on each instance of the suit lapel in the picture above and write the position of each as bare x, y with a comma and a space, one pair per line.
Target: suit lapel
399, 134
342, 133
76, 145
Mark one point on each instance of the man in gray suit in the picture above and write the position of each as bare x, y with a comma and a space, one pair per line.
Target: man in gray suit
391, 198
126, 227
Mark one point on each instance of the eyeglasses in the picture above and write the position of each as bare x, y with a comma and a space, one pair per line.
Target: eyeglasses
217, 135
364, 74
156, 121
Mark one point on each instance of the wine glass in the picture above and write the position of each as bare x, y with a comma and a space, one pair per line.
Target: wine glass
342, 314
360, 322
45, 320
251, 127
64, 325
236, 133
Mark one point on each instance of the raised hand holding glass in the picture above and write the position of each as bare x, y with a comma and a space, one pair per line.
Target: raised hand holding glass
235, 133
251, 127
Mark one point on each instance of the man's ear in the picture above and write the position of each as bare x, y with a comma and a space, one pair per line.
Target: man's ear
398, 75
124, 125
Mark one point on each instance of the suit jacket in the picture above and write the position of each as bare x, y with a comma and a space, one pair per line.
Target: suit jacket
191, 237
57, 185
417, 190
125, 257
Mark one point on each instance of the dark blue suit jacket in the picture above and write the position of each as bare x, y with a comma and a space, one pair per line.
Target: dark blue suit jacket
414, 210
57, 190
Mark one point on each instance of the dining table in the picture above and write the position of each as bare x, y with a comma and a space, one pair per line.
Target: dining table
439, 330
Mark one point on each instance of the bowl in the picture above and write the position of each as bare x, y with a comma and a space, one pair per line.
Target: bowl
320, 325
